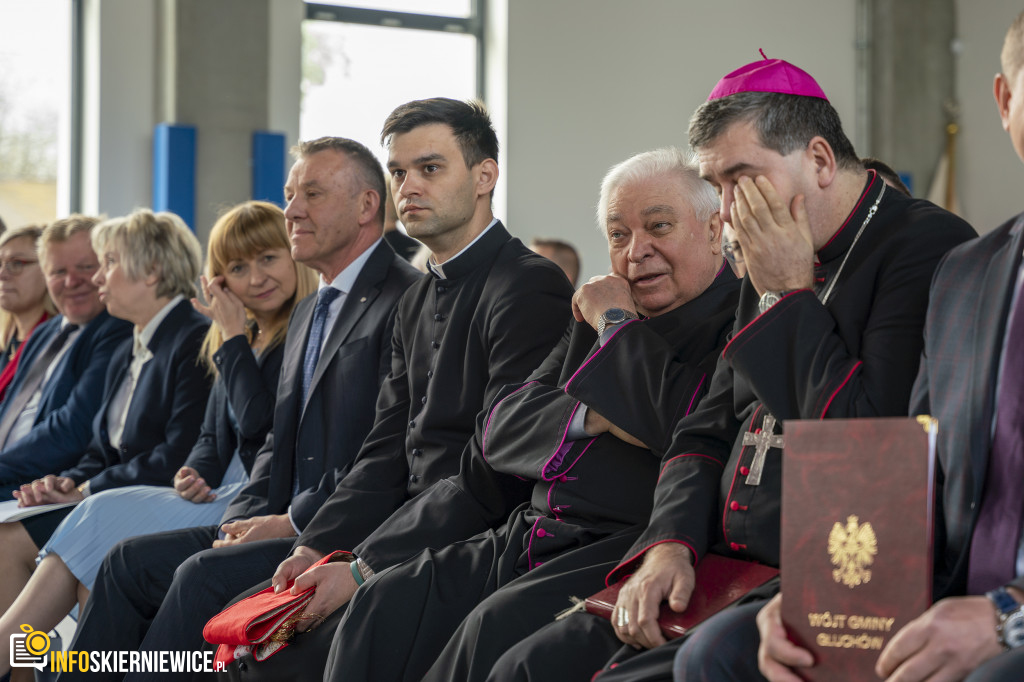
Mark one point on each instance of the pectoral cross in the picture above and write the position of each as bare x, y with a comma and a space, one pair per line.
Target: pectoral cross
764, 439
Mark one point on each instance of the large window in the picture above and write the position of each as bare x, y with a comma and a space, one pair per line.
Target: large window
361, 59
35, 108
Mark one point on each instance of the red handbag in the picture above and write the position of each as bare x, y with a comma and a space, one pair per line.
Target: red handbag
261, 624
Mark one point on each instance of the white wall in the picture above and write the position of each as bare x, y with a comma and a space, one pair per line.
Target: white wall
591, 83
989, 175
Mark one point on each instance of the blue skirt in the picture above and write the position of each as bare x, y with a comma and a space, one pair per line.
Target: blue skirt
104, 519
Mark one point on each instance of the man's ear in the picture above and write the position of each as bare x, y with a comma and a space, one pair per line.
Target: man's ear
819, 153
486, 177
1001, 91
369, 205
715, 227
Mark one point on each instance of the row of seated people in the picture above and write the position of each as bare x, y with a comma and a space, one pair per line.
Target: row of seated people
482, 461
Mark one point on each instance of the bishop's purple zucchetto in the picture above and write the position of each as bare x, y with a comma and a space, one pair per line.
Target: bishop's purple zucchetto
768, 75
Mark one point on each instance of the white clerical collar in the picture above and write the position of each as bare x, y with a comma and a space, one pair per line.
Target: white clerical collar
438, 268
346, 279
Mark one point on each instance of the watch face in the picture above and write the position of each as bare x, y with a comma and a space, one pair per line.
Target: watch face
613, 315
1013, 630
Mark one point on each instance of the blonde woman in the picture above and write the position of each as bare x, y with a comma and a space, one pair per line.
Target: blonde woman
156, 390
250, 287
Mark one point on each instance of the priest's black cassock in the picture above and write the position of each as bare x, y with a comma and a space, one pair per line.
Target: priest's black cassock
486, 318
855, 355
587, 500
541, 495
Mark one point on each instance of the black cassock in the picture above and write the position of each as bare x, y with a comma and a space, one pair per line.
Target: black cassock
588, 500
458, 340
854, 356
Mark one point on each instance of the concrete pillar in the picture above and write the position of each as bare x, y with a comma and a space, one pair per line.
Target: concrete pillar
216, 78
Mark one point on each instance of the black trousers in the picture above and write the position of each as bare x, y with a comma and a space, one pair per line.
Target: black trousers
444, 614
156, 592
584, 647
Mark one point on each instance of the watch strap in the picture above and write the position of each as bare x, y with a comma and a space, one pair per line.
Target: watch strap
1003, 601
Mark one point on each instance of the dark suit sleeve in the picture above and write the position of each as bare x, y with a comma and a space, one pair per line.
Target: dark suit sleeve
452, 509
686, 496
640, 363
795, 356
254, 498
190, 389
205, 457
59, 439
527, 323
251, 390
479, 497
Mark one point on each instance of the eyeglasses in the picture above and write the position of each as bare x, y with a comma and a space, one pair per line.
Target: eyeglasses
733, 252
15, 265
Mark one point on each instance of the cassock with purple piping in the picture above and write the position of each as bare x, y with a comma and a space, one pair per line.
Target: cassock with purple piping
532, 511
855, 355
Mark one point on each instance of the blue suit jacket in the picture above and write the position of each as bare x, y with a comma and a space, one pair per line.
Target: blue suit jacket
165, 414
70, 399
327, 432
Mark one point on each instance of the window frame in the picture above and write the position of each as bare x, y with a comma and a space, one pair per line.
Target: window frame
471, 25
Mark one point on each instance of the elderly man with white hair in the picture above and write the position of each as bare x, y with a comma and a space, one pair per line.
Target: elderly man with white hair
559, 477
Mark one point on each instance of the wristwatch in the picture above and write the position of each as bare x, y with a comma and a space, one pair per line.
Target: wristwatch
613, 316
770, 298
1010, 614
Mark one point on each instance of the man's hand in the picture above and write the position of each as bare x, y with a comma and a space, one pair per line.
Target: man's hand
776, 239
595, 424
191, 486
776, 654
600, 294
256, 528
48, 490
291, 568
334, 587
946, 643
666, 573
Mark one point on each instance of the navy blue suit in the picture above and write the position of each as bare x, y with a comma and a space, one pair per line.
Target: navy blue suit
68, 404
324, 433
165, 414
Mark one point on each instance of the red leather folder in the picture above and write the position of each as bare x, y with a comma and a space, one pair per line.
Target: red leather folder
261, 623
720, 582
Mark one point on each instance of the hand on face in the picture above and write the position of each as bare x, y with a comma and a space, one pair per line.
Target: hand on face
225, 308
776, 239
600, 294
